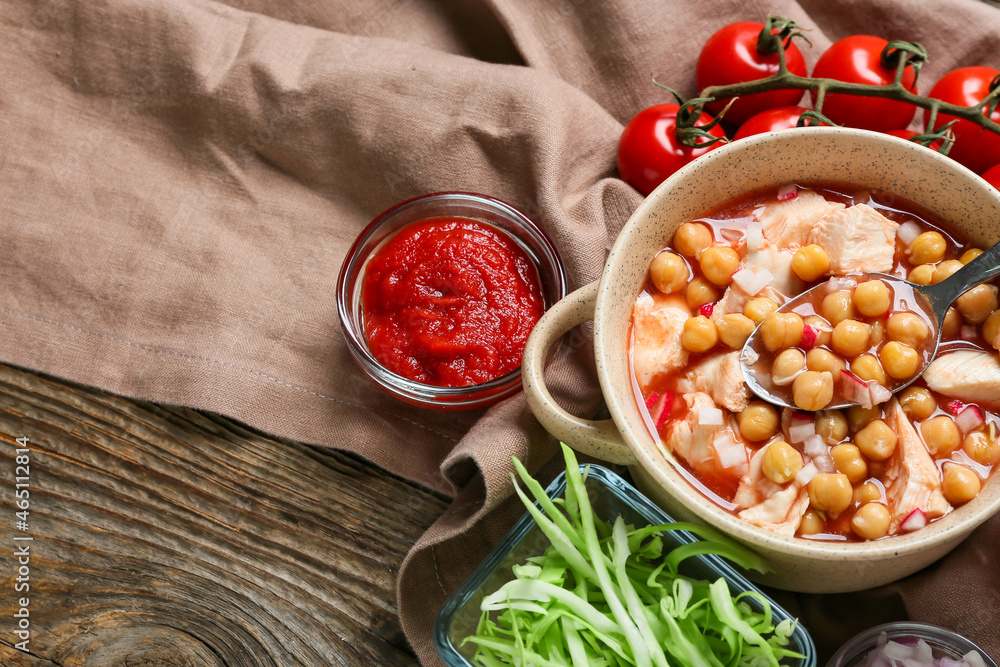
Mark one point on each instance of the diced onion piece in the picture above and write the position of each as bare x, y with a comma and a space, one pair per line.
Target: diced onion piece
969, 419
974, 659
825, 463
915, 520
907, 232
752, 281
841, 282
814, 446
755, 235
731, 235
786, 192
968, 332
750, 356
710, 417
805, 475
878, 393
729, 452
854, 389
802, 428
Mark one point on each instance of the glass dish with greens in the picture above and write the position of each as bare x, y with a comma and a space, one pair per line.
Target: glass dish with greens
659, 594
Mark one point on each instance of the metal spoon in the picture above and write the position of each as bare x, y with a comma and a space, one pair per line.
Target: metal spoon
932, 300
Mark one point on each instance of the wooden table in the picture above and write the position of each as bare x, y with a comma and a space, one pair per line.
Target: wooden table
164, 535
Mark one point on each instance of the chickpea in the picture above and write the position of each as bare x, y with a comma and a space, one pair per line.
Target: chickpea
786, 365
759, 307
848, 459
876, 440
850, 337
945, 269
871, 521
691, 238
922, 275
837, 307
978, 303
699, 292
900, 361
927, 248
758, 421
830, 492
917, 403
940, 434
869, 492
812, 523
981, 449
821, 327
959, 484
867, 367
699, 335
668, 272
818, 359
718, 264
858, 417
781, 462
810, 262
952, 323
831, 425
734, 329
781, 330
991, 326
970, 255
872, 298
812, 390
907, 328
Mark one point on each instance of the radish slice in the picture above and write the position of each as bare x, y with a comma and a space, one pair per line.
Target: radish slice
915, 520
907, 232
815, 446
729, 452
956, 407
854, 389
786, 192
969, 419
878, 393
710, 417
706, 309
752, 281
825, 463
808, 338
801, 429
755, 235
651, 401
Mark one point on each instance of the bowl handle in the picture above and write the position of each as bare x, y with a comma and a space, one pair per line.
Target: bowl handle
600, 439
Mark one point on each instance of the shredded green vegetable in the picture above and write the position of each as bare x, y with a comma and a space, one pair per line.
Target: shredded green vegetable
606, 595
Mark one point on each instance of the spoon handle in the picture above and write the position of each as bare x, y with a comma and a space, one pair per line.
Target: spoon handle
982, 268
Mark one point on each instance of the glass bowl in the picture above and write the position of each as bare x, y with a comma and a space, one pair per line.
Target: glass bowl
611, 496
530, 238
943, 643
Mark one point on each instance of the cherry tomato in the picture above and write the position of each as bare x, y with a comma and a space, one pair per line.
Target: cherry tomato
730, 56
975, 147
909, 134
771, 120
649, 151
857, 59
992, 176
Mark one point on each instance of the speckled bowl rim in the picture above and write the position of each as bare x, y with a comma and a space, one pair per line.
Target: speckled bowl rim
621, 401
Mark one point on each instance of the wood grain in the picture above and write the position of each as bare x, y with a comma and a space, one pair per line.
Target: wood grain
166, 536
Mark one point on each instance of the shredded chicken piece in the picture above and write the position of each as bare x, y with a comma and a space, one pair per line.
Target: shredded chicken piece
912, 479
858, 239
721, 377
657, 324
968, 375
693, 441
768, 505
786, 224
779, 262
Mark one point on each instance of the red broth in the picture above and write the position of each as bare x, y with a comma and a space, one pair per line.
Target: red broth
826, 474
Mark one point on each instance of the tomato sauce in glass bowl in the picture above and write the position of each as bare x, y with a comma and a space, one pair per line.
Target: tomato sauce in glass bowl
438, 295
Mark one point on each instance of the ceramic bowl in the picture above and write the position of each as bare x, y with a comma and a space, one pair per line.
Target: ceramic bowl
805, 155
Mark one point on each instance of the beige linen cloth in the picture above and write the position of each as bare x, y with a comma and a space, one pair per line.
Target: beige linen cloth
180, 181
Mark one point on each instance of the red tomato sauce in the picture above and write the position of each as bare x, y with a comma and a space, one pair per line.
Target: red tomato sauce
450, 302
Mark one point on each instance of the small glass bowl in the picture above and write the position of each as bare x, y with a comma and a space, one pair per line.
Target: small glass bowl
943, 643
611, 496
533, 241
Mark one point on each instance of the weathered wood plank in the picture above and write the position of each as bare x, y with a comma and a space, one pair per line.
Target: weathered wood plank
167, 536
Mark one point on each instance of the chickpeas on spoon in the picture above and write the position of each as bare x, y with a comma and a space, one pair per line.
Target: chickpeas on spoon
776, 369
